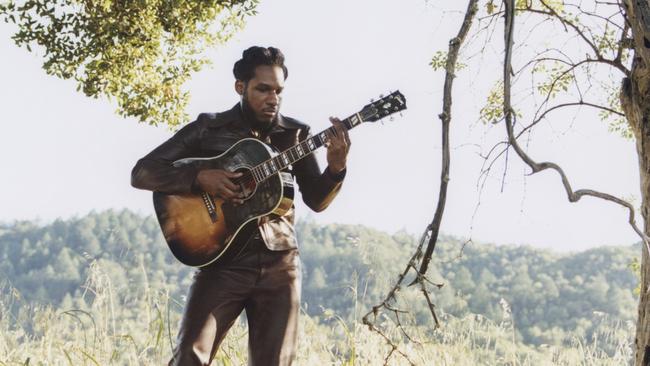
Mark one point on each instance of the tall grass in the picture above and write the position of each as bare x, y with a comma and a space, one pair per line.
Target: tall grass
113, 324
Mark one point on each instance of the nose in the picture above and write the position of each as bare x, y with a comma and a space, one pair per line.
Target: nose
273, 99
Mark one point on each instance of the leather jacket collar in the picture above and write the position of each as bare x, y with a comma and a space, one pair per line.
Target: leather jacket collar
235, 115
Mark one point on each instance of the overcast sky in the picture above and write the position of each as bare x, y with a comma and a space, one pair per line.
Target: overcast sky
65, 154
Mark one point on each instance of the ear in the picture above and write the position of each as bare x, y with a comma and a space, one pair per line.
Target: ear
239, 87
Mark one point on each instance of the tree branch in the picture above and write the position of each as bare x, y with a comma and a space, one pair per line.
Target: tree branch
445, 117
570, 24
431, 232
572, 195
563, 105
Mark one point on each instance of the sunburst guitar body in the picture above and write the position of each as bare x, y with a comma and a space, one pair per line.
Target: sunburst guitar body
200, 228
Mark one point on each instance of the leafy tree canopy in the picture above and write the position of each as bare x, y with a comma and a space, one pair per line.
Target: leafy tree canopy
138, 53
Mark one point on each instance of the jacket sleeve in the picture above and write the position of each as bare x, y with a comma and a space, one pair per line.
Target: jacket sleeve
318, 188
155, 171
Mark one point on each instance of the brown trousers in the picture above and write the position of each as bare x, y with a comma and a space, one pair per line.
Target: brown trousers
266, 284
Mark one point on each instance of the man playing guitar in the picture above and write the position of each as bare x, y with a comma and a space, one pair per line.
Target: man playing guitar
261, 275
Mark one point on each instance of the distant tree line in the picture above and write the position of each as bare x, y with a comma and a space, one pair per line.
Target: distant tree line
549, 296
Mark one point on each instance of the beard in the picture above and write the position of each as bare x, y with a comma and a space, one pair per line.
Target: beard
255, 123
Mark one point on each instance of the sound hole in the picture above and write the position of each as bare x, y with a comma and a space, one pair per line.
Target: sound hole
246, 182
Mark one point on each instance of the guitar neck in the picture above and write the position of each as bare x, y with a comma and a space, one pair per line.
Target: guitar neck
304, 148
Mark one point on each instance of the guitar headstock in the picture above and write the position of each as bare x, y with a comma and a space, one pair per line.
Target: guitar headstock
374, 111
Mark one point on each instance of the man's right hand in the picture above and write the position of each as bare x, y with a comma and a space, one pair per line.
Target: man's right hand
219, 182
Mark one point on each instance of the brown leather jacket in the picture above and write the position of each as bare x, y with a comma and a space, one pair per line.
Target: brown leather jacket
212, 134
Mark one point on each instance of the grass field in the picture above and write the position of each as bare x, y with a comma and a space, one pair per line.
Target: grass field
140, 331
144, 336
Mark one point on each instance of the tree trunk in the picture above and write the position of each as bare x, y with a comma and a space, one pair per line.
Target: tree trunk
635, 100
636, 104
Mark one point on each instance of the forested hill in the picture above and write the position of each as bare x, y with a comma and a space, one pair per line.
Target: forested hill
551, 296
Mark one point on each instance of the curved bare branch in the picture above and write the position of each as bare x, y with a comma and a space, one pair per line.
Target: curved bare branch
536, 167
564, 105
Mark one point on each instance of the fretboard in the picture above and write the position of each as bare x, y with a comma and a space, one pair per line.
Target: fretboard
272, 166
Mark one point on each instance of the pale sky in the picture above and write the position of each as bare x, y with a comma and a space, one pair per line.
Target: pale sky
65, 154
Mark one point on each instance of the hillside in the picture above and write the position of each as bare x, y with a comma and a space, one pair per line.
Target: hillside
552, 297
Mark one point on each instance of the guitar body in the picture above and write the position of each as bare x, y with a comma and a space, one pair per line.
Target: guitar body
199, 229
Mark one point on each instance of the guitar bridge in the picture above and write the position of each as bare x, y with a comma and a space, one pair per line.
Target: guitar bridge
209, 205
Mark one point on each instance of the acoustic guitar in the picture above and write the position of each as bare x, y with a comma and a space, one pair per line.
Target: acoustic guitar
200, 229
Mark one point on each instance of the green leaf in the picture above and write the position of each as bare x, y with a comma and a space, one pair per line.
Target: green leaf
490, 7
139, 53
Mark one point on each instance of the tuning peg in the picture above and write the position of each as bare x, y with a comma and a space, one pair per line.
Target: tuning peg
372, 100
381, 95
391, 118
400, 114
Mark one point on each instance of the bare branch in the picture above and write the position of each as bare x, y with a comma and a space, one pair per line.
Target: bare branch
572, 195
445, 117
567, 23
557, 79
390, 297
563, 105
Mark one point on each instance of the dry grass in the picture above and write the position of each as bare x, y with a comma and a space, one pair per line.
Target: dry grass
118, 327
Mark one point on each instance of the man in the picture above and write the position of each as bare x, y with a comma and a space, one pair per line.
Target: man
262, 278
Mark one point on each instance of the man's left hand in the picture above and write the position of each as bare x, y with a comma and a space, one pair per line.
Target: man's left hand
338, 146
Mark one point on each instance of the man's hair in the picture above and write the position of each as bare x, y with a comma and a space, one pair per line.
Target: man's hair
255, 56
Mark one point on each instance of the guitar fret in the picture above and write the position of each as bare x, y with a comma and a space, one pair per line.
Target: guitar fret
260, 174
352, 121
285, 159
278, 162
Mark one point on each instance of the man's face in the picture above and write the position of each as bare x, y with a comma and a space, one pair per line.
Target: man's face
262, 92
